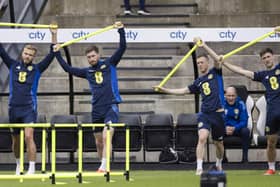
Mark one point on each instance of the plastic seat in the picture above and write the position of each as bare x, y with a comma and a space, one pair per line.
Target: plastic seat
186, 131
66, 138
38, 132
158, 132
5, 136
88, 137
135, 127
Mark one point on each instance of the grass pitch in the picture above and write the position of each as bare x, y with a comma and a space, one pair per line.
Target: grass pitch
235, 178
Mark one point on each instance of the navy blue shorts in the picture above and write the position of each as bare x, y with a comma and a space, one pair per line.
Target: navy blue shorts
109, 115
272, 121
214, 122
24, 114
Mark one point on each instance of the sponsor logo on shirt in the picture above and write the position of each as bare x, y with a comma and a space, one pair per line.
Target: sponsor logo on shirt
277, 72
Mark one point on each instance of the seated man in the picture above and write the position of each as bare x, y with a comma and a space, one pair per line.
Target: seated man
236, 119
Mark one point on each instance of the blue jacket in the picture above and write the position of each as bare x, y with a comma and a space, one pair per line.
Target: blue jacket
236, 115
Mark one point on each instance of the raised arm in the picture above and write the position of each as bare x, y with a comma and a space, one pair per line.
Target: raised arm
210, 51
178, 91
239, 70
54, 34
79, 72
5, 57
44, 64
116, 57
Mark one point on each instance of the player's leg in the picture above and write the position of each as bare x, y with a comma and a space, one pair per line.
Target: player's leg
200, 148
203, 133
15, 137
97, 117
271, 130
103, 164
271, 147
31, 149
99, 143
271, 153
218, 132
15, 144
16, 150
112, 116
30, 117
219, 153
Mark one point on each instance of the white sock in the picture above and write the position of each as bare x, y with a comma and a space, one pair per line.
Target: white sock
199, 164
31, 168
103, 164
17, 166
271, 165
17, 161
219, 162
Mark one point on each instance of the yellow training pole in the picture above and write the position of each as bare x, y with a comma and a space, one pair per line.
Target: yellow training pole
28, 25
171, 73
21, 153
43, 169
53, 154
127, 158
86, 36
247, 45
108, 145
80, 154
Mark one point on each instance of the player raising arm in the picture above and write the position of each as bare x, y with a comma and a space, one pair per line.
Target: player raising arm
24, 80
102, 78
270, 78
210, 86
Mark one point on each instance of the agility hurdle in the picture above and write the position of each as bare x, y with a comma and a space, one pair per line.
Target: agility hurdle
53, 174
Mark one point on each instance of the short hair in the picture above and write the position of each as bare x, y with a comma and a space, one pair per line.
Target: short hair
202, 55
30, 47
266, 50
92, 48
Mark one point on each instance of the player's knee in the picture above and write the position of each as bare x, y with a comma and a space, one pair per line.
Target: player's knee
271, 144
28, 137
104, 139
202, 140
99, 143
